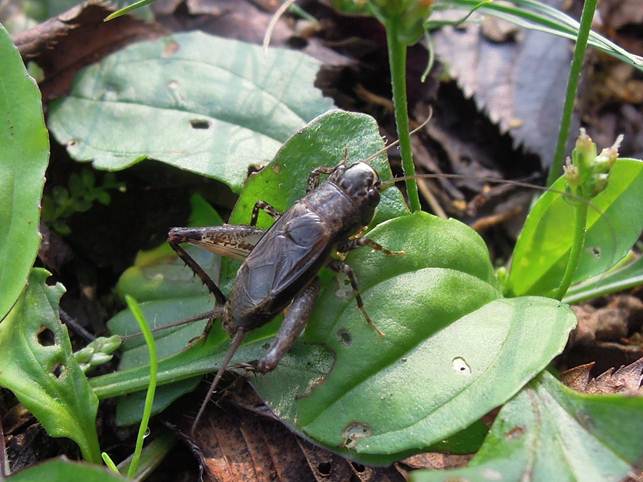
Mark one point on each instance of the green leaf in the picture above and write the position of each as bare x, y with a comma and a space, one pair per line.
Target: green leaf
614, 223
622, 278
38, 366
453, 350
24, 152
549, 432
63, 470
206, 104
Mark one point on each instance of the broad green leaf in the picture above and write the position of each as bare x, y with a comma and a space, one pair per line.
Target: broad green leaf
206, 104
39, 368
623, 278
24, 152
453, 349
614, 223
549, 432
63, 470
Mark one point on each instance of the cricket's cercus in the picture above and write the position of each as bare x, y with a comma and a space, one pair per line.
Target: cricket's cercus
281, 264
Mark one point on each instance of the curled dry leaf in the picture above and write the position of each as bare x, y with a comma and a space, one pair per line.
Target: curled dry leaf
235, 444
76, 38
626, 380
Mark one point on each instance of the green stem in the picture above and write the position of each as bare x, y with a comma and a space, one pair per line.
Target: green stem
575, 72
151, 388
397, 62
580, 231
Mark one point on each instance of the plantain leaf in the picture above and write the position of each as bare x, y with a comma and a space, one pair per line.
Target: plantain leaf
549, 432
614, 223
453, 348
24, 152
39, 368
214, 106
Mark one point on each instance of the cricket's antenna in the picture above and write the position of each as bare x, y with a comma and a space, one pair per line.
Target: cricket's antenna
215, 313
234, 345
395, 143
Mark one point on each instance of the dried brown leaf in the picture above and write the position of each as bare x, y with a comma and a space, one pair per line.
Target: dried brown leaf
236, 445
626, 380
76, 38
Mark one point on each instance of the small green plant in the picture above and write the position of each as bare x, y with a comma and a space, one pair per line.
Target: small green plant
78, 197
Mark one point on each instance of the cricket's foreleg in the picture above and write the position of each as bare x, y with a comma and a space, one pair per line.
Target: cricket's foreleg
267, 208
291, 328
351, 244
315, 175
341, 267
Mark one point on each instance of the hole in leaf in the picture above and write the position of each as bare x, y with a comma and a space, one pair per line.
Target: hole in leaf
345, 336
461, 366
324, 468
358, 467
58, 370
200, 123
596, 251
354, 432
515, 432
265, 346
46, 337
173, 84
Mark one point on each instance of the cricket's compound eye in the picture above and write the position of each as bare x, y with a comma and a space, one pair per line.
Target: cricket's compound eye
358, 180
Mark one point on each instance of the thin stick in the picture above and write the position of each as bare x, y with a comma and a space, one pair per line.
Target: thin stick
234, 345
273, 23
433, 202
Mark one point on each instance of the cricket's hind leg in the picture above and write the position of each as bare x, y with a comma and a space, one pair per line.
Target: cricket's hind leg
269, 209
341, 267
227, 240
292, 326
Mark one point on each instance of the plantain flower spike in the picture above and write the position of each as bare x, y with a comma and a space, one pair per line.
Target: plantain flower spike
587, 173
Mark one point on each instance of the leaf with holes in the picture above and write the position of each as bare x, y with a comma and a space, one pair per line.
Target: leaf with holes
24, 153
549, 432
214, 106
453, 348
37, 365
614, 223
452, 351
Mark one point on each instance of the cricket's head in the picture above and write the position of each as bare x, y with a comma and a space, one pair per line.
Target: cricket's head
362, 184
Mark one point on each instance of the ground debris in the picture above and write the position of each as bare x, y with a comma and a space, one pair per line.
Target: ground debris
625, 380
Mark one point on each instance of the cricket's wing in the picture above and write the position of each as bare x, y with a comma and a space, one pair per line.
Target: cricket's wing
286, 258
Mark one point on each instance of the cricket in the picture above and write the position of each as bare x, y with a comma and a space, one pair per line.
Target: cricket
281, 264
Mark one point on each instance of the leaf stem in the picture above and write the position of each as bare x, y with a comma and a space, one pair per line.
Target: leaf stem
575, 72
397, 62
151, 388
580, 221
